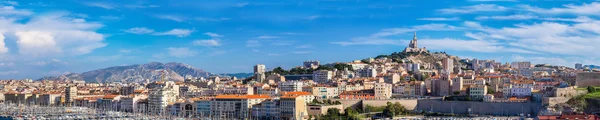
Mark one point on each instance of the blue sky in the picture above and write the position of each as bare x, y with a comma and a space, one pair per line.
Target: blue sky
41, 38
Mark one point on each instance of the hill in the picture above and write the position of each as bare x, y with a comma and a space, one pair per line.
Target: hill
135, 73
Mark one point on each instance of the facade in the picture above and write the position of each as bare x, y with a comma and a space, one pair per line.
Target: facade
160, 96
322, 76
291, 86
202, 107
259, 68
70, 94
457, 84
383, 90
49, 99
311, 64
292, 107
325, 92
268, 109
585, 79
234, 106
392, 78
316, 110
520, 64
448, 64
477, 92
367, 72
578, 66
441, 86
520, 92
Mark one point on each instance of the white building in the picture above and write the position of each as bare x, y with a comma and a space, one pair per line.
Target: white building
520, 92
259, 68
322, 76
291, 86
160, 96
325, 92
234, 106
367, 72
383, 90
70, 94
520, 64
477, 92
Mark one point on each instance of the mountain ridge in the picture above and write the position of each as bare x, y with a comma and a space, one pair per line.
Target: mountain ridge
135, 73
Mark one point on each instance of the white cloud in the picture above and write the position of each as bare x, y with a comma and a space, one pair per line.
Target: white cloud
10, 10
313, 17
253, 43
440, 19
582, 9
125, 51
468, 45
304, 46
139, 30
280, 42
53, 34
267, 37
510, 17
11, 72
255, 50
181, 52
214, 35
493, 0
135, 6
302, 52
578, 19
293, 33
15, 3
3, 48
172, 17
207, 43
472, 24
176, 32
241, 4
110, 17
101, 5
273, 54
206, 19
104, 58
473, 9
379, 38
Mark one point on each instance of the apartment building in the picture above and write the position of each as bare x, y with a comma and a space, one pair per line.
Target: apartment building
234, 106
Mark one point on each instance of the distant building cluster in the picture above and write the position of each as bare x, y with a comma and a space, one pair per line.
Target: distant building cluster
295, 97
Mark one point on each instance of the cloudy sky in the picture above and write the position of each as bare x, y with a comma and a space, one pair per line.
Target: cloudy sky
41, 38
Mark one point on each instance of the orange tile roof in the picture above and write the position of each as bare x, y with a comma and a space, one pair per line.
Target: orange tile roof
110, 96
297, 93
242, 96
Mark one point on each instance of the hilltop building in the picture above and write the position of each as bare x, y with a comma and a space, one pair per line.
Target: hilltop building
413, 46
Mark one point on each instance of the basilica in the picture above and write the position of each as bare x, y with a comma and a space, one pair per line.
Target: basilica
412, 47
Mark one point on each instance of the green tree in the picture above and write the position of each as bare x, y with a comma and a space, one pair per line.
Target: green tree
351, 114
279, 70
456, 92
390, 110
338, 102
323, 67
315, 101
591, 89
490, 91
332, 113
